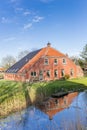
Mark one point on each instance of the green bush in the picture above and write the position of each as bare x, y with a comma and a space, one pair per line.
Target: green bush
67, 76
1, 76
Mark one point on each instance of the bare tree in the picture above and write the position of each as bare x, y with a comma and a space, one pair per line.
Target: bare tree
22, 54
84, 53
7, 61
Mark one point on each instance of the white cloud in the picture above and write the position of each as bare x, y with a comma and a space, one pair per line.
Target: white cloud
27, 26
26, 13
23, 11
5, 20
9, 39
14, 2
37, 19
18, 9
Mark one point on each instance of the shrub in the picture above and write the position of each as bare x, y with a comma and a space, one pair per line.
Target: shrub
67, 76
1, 76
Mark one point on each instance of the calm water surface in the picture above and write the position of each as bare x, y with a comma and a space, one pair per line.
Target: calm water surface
69, 117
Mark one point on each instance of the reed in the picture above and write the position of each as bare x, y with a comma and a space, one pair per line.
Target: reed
15, 96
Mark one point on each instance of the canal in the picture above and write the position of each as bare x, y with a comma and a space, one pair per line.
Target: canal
66, 113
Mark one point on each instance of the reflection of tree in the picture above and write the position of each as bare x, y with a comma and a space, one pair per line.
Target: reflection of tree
24, 118
85, 98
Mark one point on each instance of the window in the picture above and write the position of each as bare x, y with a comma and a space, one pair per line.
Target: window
62, 72
64, 61
41, 72
46, 61
55, 61
55, 73
33, 73
56, 102
65, 102
48, 73
71, 72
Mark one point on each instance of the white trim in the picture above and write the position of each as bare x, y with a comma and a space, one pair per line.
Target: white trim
55, 63
64, 61
33, 73
47, 61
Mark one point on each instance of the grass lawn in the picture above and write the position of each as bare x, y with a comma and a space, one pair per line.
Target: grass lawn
15, 96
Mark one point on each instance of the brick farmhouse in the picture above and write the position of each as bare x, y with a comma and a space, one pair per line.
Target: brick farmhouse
44, 64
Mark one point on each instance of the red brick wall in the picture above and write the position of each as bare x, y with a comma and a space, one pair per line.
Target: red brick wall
40, 66
25, 73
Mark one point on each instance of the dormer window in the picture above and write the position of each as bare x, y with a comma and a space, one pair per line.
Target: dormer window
46, 62
64, 61
55, 61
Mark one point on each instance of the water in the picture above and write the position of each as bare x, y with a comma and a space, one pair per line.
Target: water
71, 116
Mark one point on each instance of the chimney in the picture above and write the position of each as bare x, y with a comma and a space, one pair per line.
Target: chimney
48, 44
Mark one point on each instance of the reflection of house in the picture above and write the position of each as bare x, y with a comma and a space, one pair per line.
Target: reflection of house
43, 64
55, 105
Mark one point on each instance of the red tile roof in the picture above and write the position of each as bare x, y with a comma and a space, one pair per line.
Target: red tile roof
33, 57
49, 51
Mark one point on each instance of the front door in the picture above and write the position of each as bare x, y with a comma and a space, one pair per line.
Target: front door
41, 75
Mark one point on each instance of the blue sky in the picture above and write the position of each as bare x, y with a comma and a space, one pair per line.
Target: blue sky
28, 24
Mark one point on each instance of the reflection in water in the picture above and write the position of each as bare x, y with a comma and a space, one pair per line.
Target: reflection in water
67, 113
55, 105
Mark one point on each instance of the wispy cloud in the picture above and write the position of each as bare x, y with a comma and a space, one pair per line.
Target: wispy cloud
15, 3
26, 13
27, 22
18, 9
37, 19
27, 26
5, 20
23, 11
9, 39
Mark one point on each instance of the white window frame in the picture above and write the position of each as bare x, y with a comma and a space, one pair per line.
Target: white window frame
64, 61
48, 73
71, 72
55, 73
55, 63
46, 63
34, 74
62, 72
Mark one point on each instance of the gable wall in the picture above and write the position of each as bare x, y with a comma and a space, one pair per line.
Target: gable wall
39, 65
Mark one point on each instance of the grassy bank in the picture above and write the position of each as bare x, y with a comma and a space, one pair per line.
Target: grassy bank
15, 96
